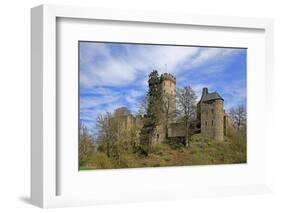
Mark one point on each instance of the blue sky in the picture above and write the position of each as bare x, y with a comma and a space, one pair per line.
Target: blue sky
113, 75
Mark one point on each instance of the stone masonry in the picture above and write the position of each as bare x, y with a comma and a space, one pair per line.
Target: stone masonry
211, 117
211, 114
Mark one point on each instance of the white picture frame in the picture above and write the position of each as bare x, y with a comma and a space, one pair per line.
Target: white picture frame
44, 153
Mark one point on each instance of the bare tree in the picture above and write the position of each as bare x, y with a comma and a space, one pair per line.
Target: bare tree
104, 135
116, 135
143, 106
238, 116
86, 146
186, 103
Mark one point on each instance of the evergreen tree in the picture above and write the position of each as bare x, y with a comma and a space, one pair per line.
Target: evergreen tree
153, 111
154, 98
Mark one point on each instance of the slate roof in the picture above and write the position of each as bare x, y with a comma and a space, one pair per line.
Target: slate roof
211, 96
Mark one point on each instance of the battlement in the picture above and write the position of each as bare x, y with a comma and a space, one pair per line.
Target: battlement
168, 76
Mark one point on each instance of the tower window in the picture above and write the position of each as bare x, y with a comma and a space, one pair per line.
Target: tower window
212, 123
206, 123
212, 111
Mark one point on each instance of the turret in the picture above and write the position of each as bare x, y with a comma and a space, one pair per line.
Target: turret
168, 90
168, 84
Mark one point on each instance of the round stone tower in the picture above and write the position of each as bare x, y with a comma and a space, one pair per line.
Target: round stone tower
168, 84
168, 91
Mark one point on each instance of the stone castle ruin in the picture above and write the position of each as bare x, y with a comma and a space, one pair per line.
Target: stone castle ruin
210, 112
211, 120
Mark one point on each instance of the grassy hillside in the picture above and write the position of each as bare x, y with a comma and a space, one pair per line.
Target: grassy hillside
202, 151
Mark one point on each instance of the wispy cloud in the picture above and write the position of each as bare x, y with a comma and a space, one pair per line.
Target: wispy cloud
113, 75
236, 92
106, 67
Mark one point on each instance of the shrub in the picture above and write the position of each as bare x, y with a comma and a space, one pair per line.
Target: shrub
86, 148
176, 143
159, 149
198, 139
100, 160
125, 160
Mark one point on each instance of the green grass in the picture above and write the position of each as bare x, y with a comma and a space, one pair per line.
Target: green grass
202, 151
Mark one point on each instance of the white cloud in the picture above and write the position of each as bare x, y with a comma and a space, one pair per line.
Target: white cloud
198, 89
90, 111
98, 96
90, 102
104, 68
113, 72
208, 56
133, 95
101, 68
155, 57
236, 93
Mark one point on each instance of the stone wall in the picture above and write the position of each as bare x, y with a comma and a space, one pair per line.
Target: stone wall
212, 119
159, 135
228, 126
177, 130
128, 122
207, 119
218, 121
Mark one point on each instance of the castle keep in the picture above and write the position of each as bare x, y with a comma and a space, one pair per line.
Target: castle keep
168, 90
211, 120
211, 115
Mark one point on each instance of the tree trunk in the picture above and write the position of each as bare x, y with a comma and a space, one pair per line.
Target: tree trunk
187, 135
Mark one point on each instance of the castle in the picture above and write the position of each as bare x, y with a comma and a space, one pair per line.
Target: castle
211, 120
